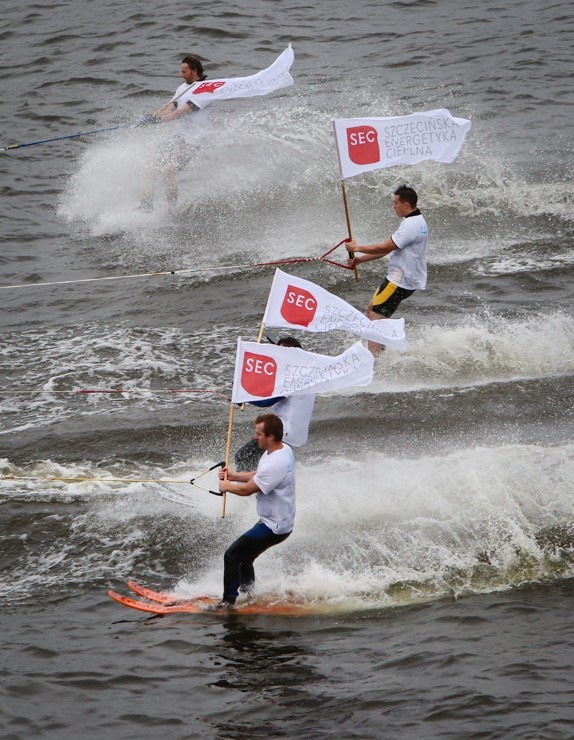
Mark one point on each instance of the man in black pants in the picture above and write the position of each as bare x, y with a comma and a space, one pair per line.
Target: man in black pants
274, 485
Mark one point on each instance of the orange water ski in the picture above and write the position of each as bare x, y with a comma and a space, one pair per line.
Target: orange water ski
161, 598
201, 605
192, 606
150, 595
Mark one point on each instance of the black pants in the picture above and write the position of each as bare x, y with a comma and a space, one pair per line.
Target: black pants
238, 560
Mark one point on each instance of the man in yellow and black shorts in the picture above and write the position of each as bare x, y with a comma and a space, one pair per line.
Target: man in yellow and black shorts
407, 269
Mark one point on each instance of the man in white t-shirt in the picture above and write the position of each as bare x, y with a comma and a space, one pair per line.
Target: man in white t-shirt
273, 484
407, 269
189, 120
294, 411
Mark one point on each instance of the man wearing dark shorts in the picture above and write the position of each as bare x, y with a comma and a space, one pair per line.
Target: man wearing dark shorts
274, 485
407, 269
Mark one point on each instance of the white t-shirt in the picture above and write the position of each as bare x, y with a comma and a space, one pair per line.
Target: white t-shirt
407, 264
194, 125
275, 478
295, 412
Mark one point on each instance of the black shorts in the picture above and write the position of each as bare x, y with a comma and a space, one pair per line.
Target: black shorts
387, 298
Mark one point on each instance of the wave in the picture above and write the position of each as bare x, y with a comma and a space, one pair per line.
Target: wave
48, 368
481, 350
266, 177
371, 532
41, 386
475, 520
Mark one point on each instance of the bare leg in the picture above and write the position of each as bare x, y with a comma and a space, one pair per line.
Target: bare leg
177, 159
374, 347
170, 182
146, 203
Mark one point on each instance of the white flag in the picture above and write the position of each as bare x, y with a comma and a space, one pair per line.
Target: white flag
268, 80
365, 144
267, 371
295, 303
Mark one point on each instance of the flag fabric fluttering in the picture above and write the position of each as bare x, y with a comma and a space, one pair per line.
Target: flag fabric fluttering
274, 77
268, 370
366, 144
296, 303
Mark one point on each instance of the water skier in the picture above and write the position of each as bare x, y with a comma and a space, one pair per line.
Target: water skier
190, 121
273, 484
407, 270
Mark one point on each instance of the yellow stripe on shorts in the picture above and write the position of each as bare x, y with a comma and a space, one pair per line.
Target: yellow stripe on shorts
384, 295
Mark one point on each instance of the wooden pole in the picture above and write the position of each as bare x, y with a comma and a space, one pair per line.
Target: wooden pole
351, 254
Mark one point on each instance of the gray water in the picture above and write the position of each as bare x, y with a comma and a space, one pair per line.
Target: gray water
434, 526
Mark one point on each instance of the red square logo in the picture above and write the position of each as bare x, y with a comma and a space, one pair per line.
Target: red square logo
207, 87
363, 144
299, 306
258, 374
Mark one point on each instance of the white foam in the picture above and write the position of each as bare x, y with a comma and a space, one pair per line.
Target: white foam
370, 531
479, 351
265, 180
383, 530
121, 358
380, 531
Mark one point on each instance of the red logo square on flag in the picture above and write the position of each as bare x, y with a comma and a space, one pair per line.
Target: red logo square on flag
363, 144
258, 374
207, 87
299, 306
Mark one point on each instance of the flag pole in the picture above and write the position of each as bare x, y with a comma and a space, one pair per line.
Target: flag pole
344, 191
169, 102
351, 254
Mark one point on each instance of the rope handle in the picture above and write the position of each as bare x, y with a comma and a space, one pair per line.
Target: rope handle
217, 465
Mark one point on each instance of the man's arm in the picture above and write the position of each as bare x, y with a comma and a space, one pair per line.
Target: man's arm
370, 251
241, 484
176, 111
